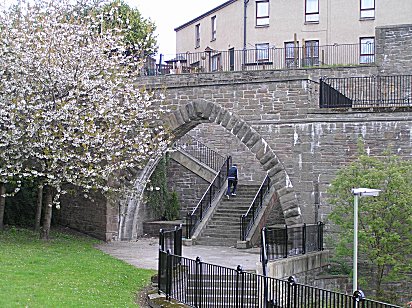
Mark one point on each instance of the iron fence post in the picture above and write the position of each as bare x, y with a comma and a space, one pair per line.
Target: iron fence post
286, 242
198, 274
188, 226
304, 239
239, 272
292, 298
168, 275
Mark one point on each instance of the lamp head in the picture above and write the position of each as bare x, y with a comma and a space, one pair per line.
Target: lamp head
366, 192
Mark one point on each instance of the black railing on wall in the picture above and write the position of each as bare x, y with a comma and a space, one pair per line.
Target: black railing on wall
196, 216
291, 241
200, 151
365, 92
247, 220
200, 284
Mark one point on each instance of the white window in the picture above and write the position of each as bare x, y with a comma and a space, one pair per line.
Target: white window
213, 20
216, 63
367, 50
312, 10
262, 13
367, 9
262, 52
197, 35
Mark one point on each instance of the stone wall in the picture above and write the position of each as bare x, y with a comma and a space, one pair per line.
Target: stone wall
310, 143
394, 50
189, 187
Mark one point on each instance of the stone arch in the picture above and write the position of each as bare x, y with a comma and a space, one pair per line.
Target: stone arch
188, 116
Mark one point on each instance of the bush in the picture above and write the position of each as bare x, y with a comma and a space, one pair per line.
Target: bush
172, 209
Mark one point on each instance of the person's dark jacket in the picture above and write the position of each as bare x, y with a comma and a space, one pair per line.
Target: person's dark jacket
232, 173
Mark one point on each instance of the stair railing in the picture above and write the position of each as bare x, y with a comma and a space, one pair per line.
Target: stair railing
196, 216
248, 219
200, 151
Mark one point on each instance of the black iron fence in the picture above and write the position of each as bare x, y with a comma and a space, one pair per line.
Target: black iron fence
196, 216
247, 220
171, 240
200, 284
200, 151
291, 241
361, 92
267, 58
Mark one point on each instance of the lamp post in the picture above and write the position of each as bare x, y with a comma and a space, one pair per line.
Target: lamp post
358, 192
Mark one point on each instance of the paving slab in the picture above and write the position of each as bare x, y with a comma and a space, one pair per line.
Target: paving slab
143, 253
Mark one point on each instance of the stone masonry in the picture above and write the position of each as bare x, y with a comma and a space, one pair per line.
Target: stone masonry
270, 122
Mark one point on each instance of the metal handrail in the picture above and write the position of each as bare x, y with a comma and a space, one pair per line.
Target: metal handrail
248, 219
200, 151
196, 216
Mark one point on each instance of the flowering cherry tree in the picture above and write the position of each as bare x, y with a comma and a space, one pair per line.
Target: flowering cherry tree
68, 103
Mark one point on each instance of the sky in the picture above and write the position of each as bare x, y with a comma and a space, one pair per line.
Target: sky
169, 14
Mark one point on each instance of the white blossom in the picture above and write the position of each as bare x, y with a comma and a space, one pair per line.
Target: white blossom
70, 112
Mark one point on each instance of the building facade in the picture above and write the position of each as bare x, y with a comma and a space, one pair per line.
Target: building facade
296, 29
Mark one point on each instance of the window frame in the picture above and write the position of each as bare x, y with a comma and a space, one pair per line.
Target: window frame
366, 55
263, 17
264, 51
309, 58
307, 14
291, 61
367, 10
216, 62
213, 26
197, 35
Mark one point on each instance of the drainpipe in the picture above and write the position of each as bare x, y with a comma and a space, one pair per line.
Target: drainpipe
244, 30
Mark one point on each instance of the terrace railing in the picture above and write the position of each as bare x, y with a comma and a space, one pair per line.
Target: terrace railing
200, 284
366, 92
261, 59
196, 216
201, 152
291, 241
248, 219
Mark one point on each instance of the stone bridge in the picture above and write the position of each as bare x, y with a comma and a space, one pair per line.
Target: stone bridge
271, 123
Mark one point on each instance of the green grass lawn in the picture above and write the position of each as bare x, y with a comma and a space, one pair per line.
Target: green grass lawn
64, 272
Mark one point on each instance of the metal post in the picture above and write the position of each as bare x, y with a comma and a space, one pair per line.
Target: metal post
304, 239
355, 242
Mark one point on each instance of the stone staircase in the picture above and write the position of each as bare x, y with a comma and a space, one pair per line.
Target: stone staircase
223, 228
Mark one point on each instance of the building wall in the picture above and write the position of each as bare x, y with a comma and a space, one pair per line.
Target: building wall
339, 22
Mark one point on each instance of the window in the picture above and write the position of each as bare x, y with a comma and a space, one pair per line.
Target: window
216, 63
312, 11
292, 54
213, 20
262, 52
367, 9
311, 53
262, 13
197, 35
367, 50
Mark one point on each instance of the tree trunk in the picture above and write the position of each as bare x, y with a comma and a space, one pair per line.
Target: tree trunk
38, 207
48, 208
2, 204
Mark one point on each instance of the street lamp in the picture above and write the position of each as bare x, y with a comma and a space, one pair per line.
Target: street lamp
358, 192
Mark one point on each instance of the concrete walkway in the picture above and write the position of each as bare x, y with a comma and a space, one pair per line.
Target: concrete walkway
143, 253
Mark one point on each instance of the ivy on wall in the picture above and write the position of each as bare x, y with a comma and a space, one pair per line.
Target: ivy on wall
164, 205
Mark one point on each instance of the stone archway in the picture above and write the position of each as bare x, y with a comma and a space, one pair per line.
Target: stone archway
189, 116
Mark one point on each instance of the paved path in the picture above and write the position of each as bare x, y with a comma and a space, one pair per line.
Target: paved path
143, 253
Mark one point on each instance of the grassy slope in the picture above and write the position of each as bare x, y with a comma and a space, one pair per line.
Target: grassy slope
65, 272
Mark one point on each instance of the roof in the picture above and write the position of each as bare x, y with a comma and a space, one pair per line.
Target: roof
205, 14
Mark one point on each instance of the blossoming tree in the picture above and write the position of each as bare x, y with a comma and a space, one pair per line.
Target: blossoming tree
70, 107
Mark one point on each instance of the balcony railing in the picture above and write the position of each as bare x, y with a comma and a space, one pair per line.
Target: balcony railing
260, 59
